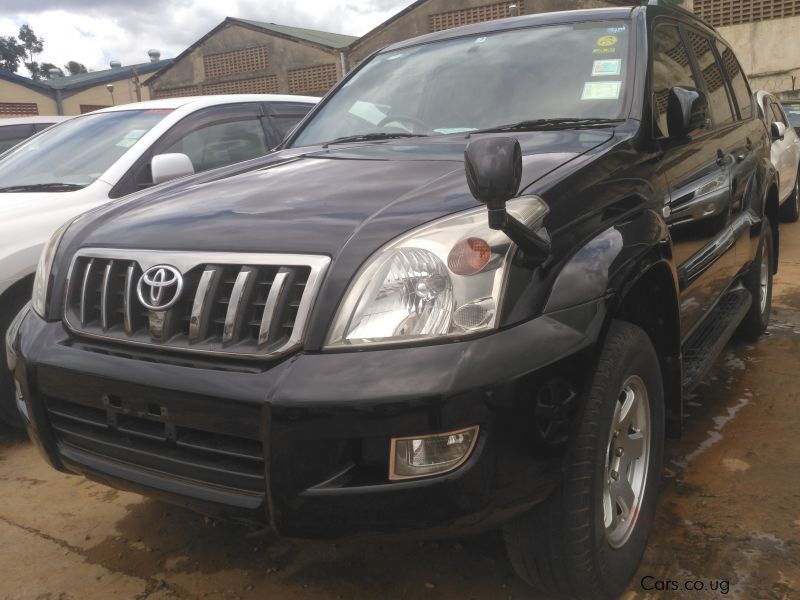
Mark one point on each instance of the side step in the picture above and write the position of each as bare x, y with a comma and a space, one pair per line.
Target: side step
708, 340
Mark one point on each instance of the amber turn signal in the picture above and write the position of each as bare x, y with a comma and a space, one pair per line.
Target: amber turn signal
469, 256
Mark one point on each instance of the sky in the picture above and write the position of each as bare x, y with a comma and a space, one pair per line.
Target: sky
94, 32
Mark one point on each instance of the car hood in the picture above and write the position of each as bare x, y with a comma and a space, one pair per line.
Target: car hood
319, 200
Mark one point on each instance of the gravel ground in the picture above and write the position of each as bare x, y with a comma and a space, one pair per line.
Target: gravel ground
728, 520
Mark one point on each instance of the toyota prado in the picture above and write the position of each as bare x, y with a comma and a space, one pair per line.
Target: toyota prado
470, 291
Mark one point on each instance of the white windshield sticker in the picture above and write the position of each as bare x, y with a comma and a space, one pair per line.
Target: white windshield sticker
601, 90
131, 138
602, 68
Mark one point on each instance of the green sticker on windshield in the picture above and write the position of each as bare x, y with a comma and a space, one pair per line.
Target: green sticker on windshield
601, 90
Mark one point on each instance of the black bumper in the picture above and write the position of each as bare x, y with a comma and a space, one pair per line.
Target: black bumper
304, 444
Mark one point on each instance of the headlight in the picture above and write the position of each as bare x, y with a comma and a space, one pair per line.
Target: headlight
41, 282
442, 280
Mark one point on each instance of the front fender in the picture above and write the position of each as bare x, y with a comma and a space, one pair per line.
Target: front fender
612, 261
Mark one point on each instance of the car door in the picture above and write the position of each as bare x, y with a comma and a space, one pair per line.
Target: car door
699, 174
211, 137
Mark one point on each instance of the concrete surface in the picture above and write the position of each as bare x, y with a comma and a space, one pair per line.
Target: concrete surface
729, 514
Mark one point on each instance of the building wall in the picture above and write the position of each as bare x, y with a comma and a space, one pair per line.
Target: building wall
15, 100
98, 96
238, 59
442, 14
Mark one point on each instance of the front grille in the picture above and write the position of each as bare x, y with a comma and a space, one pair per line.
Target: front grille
148, 442
251, 305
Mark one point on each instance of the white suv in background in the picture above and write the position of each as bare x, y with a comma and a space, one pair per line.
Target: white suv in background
92, 159
784, 154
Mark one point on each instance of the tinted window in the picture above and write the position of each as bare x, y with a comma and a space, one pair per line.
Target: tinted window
285, 116
671, 67
793, 112
778, 113
715, 87
741, 90
577, 70
11, 135
221, 144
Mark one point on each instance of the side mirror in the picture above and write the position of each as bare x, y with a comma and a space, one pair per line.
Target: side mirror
687, 110
494, 172
166, 167
493, 167
777, 131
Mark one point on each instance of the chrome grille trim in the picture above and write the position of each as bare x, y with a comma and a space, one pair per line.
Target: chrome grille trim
104, 299
220, 313
233, 318
127, 299
275, 293
201, 311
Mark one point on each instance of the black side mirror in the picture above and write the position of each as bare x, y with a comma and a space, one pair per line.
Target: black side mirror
494, 172
687, 110
493, 167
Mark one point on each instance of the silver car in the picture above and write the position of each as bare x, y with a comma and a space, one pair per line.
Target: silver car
785, 154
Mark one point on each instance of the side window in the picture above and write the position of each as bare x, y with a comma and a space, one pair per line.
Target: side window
671, 67
715, 88
11, 135
777, 112
741, 89
284, 116
220, 144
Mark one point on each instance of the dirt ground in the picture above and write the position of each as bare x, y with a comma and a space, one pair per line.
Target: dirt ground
729, 514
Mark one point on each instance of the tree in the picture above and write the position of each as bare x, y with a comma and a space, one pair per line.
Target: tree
75, 68
46, 67
33, 45
11, 53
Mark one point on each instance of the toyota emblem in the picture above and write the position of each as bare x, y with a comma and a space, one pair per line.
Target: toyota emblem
160, 287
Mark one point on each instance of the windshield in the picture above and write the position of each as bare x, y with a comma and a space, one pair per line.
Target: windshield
573, 71
75, 153
792, 111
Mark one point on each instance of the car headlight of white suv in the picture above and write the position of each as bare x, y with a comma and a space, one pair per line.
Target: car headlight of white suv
442, 280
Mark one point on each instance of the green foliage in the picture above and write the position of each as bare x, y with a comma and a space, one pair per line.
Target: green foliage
30, 41
75, 68
11, 53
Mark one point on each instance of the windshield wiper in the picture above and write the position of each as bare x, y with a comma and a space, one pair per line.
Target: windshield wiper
369, 137
43, 187
545, 124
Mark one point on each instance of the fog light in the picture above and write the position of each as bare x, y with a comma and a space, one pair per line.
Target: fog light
430, 454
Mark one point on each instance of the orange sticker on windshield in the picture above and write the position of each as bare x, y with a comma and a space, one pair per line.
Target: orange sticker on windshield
607, 40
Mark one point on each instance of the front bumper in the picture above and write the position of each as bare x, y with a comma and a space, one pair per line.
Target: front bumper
304, 443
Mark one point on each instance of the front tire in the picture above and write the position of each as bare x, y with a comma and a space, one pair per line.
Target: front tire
587, 539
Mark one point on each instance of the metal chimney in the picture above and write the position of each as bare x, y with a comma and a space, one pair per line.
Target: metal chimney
115, 64
155, 55
54, 72
513, 9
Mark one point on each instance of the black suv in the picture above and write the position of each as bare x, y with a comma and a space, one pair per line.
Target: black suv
342, 341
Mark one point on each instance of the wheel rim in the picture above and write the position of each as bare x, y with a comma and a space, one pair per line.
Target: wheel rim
627, 461
764, 276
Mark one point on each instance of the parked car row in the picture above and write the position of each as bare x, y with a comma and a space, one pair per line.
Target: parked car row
457, 297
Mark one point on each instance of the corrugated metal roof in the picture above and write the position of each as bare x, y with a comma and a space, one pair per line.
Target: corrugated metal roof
83, 80
323, 38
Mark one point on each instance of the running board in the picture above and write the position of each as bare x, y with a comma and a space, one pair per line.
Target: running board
709, 339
